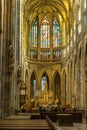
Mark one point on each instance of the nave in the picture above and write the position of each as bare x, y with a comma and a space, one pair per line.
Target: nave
43, 62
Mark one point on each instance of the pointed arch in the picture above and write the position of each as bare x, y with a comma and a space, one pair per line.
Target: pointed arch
44, 82
45, 33
57, 86
33, 85
34, 73
26, 77
56, 33
33, 33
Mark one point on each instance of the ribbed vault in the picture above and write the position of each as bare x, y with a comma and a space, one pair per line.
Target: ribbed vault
41, 7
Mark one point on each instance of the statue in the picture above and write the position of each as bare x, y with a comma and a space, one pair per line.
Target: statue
73, 101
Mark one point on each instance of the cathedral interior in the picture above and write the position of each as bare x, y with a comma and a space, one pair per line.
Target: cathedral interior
43, 54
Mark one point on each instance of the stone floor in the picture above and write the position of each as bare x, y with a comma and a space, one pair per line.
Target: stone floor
76, 126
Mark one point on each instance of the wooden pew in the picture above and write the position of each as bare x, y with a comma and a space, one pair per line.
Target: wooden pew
77, 116
24, 125
65, 119
50, 123
35, 115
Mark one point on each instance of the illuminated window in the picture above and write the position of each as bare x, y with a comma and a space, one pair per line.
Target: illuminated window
45, 55
41, 38
57, 54
34, 82
56, 34
45, 34
33, 34
33, 54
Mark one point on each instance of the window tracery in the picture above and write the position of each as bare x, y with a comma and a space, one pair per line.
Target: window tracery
33, 34
45, 33
46, 39
56, 34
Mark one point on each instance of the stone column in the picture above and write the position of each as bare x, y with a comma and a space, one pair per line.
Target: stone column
69, 85
6, 40
51, 42
83, 74
63, 87
38, 42
0, 55
67, 88
72, 91
78, 93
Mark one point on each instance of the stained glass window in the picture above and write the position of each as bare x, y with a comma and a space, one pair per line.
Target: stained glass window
45, 55
45, 34
56, 34
34, 82
33, 34
33, 54
57, 54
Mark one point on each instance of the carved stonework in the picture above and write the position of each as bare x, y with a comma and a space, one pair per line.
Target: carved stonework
11, 58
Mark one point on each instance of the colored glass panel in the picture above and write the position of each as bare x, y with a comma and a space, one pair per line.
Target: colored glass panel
45, 34
33, 34
56, 34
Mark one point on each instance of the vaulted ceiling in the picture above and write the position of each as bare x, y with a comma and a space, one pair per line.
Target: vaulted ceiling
59, 8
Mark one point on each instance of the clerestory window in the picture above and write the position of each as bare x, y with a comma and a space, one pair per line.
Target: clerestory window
46, 37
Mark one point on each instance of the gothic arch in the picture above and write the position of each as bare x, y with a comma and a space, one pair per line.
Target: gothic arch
57, 86
33, 85
26, 74
33, 72
44, 74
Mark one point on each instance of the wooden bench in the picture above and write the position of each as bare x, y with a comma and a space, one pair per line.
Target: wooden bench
35, 115
24, 124
77, 116
65, 119
25, 128
51, 115
50, 123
